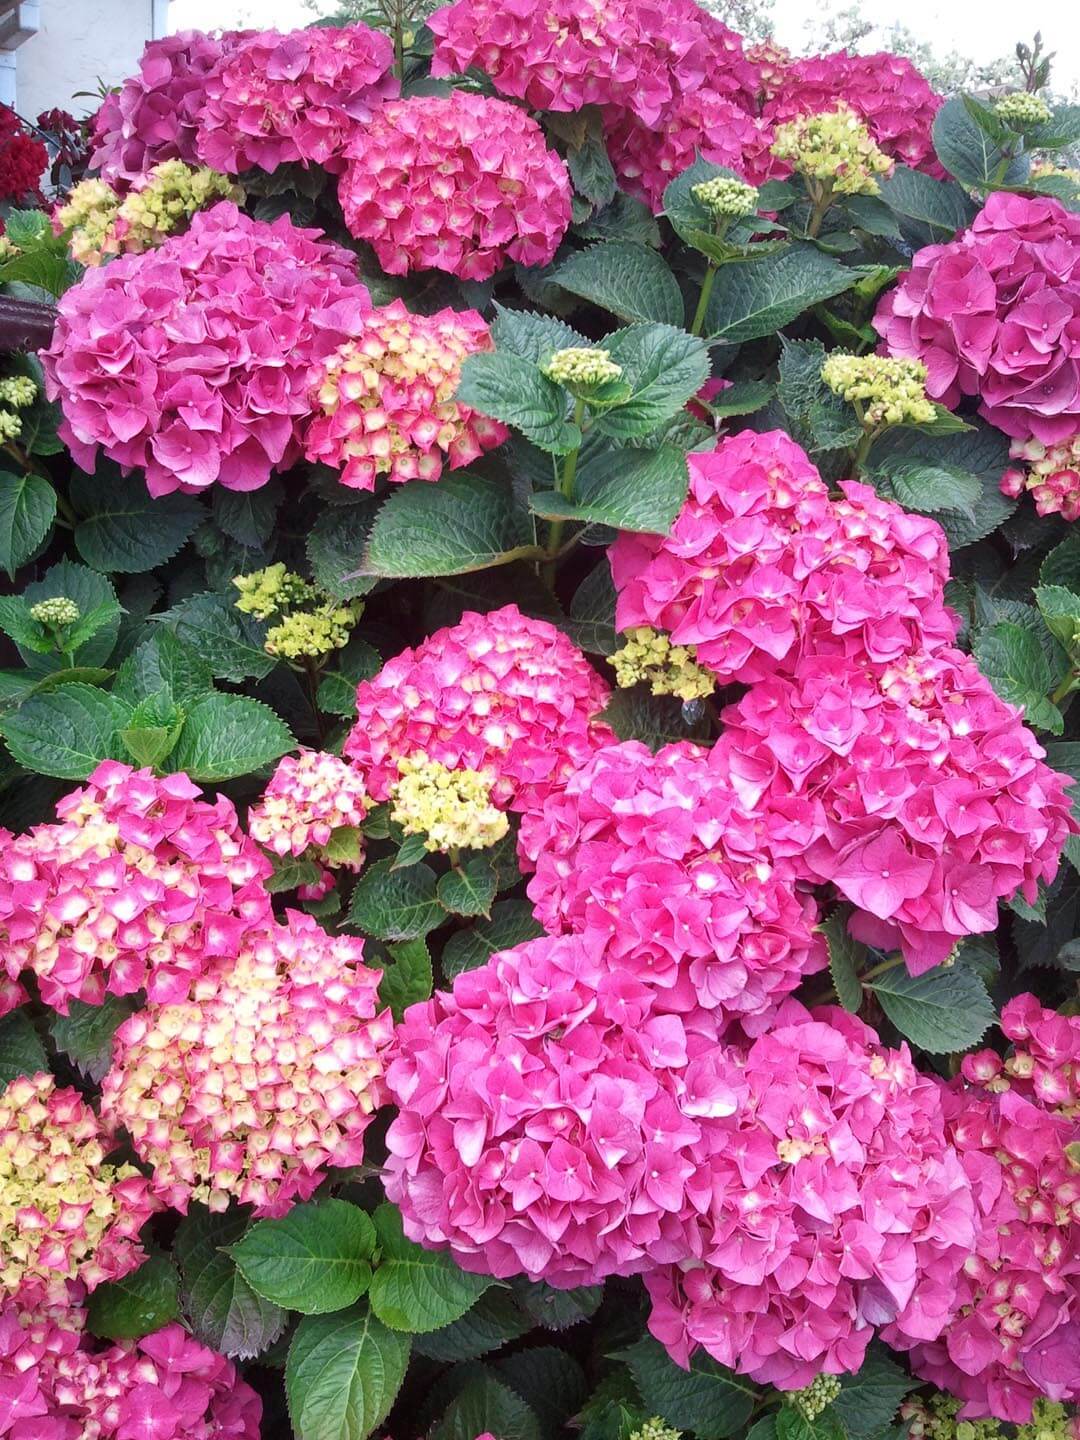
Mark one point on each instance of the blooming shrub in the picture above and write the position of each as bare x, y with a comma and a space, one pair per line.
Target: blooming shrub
537, 852
23, 159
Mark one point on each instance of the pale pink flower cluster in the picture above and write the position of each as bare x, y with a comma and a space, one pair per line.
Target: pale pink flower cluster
497, 692
911, 787
762, 566
658, 867
58, 1383
996, 314
136, 886
1052, 476
824, 1206
460, 183
310, 795
546, 1119
65, 1214
1016, 1335
385, 400
191, 361
265, 1076
154, 115
298, 97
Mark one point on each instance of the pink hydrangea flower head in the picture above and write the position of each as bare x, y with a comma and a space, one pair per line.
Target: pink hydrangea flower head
265, 1077
545, 1120
154, 115
761, 566
1015, 1337
911, 787
310, 796
137, 885
497, 693
57, 1382
561, 55
825, 1206
886, 91
296, 97
460, 183
67, 1214
191, 361
386, 399
1052, 476
661, 871
995, 314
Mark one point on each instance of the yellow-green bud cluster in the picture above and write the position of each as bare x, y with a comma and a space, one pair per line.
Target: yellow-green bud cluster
1022, 110
656, 1429
18, 390
1049, 1421
265, 591
88, 218
10, 425
890, 392
452, 808
726, 198
307, 634
581, 368
935, 1419
649, 656
816, 1397
172, 194
57, 611
833, 148
8, 251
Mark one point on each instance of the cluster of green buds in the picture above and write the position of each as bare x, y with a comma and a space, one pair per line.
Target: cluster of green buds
656, 1429
582, 370
57, 613
884, 391
814, 1398
649, 657
16, 393
726, 198
833, 149
264, 592
321, 627
451, 808
1022, 110
1049, 1421
935, 1418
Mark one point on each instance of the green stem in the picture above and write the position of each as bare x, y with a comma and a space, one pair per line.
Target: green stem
862, 450
565, 486
881, 969
703, 301
822, 199
1067, 686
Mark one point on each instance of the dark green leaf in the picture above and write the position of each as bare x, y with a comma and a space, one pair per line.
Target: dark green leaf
759, 297
122, 527
532, 337
469, 888
27, 511
492, 1322
511, 923
629, 489
711, 1401
391, 904
314, 1259
94, 595
164, 662
514, 391
983, 452
968, 153
1062, 565
656, 720
591, 623
229, 735
929, 488
66, 732
944, 1010
229, 641
557, 1309
415, 1289
487, 1406
1060, 609
550, 1381
85, 1033
224, 1311
409, 979
335, 549
138, 1304
21, 1052
464, 523
869, 1398
343, 1373
590, 168
742, 398
631, 281
247, 516
1013, 661
663, 366
845, 957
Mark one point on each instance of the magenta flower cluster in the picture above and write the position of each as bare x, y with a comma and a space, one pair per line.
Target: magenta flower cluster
460, 182
191, 361
136, 886
996, 314
57, 1383
310, 796
298, 97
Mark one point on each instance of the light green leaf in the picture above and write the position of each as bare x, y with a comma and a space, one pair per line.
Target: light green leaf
1014, 662
164, 662
123, 528
94, 595
21, 1052
941, 1011
663, 366
631, 281
224, 1311
639, 490
759, 297
229, 735
470, 887
343, 1373
711, 1401
391, 904
466, 522
415, 1289
514, 391
409, 979
138, 1304
1060, 609
66, 732
314, 1259
511, 923
27, 512
929, 488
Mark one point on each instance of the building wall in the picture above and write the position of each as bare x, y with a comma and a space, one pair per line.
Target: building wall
78, 43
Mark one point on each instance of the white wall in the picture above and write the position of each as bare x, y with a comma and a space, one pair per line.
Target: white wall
78, 43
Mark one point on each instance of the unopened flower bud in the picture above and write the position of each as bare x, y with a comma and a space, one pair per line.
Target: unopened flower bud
726, 198
57, 612
18, 390
833, 148
893, 392
816, 1397
1022, 110
581, 369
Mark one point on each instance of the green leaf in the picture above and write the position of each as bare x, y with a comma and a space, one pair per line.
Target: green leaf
486, 1405
123, 528
944, 1010
968, 153
492, 1322
792, 1424
631, 281
511, 923
557, 1309
335, 549
983, 452
514, 391
248, 516
411, 851
343, 1373
315, 1259
928, 488
591, 623
138, 1304
845, 957
531, 336
224, 1311
45, 265
1060, 609
464, 523
291, 871
1063, 128
21, 1052
942, 206
590, 168
655, 720
469, 888
27, 227
409, 979
415, 1289
1014, 662
639, 490
230, 642
869, 1399
550, 1381
150, 744
229, 735
818, 419
759, 297
95, 597
711, 1401
743, 398
66, 732
687, 214
164, 662
391, 904
17, 624
1062, 565
663, 366
85, 1033
27, 512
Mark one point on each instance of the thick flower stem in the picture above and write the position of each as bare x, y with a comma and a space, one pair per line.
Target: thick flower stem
1067, 686
885, 965
566, 489
703, 301
821, 200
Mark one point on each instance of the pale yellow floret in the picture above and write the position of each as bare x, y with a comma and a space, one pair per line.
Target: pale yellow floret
262, 592
18, 391
656, 1429
833, 148
452, 808
649, 657
307, 634
57, 611
889, 392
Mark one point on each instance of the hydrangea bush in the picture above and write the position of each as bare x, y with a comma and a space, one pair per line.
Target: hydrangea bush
539, 868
